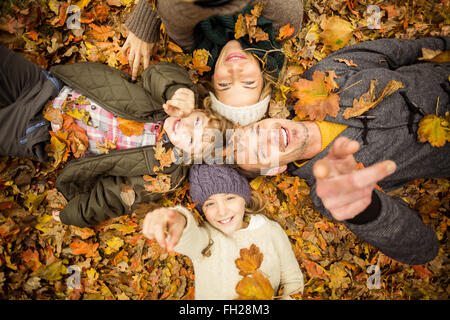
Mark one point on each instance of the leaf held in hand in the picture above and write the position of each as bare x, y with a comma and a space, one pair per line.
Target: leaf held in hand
255, 287
249, 261
315, 97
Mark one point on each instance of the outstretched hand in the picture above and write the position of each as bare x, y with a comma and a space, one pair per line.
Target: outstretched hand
138, 49
181, 104
346, 191
164, 222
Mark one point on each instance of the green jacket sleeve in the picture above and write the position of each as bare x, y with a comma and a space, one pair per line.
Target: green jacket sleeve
164, 78
92, 185
101, 203
112, 89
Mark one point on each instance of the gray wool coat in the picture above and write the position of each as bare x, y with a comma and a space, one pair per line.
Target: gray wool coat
389, 224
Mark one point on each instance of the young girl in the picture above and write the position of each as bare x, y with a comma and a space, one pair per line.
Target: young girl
234, 221
240, 89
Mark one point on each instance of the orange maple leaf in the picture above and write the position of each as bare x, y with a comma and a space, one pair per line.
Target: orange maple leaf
315, 97
250, 260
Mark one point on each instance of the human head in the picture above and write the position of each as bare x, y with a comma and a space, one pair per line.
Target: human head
221, 194
197, 132
241, 92
267, 146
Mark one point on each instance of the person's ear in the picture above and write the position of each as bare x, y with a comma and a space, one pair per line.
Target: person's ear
273, 171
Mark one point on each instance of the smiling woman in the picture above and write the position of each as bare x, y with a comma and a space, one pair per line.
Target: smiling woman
210, 25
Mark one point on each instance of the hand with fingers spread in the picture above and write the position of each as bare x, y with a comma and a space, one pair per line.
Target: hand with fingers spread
138, 49
346, 191
181, 104
164, 222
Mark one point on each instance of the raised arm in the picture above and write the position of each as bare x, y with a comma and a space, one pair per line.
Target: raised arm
348, 195
143, 25
162, 80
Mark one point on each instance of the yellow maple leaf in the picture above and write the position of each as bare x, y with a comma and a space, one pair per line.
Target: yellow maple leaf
336, 32
338, 276
33, 201
434, 129
255, 287
82, 3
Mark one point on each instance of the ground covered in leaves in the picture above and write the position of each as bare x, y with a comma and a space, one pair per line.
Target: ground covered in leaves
39, 257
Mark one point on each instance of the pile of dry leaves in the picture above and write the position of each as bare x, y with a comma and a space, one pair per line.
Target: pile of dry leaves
44, 259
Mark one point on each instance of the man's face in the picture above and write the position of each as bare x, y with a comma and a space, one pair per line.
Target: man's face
269, 143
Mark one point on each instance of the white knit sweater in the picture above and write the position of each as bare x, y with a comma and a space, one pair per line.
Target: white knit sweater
216, 276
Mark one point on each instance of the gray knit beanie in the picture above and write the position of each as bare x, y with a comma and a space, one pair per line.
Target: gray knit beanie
206, 180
